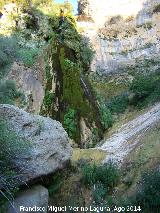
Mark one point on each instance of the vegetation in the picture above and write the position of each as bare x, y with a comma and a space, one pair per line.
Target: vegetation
8, 49
146, 89
10, 146
106, 116
118, 104
68, 58
70, 123
156, 9
72, 95
107, 174
27, 56
87, 155
9, 93
101, 179
146, 196
149, 191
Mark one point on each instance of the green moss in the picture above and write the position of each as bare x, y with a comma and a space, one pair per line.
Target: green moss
72, 91
72, 94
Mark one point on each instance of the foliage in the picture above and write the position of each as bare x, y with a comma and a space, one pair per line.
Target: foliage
22, 3
146, 89
27, 56
118, 104
105, 114
87, 54
106, 117
89, 174
149, 192
107, 174
9, 92
8, 49
48, 99
67, 7
43, 2
115, 19
94, 136
3, 2
156, 9
101, 179
10, 146
98, 192
3, 59
72, 91
143, 86
70, 122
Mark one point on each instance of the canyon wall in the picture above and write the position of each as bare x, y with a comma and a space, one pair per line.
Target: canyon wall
121, 32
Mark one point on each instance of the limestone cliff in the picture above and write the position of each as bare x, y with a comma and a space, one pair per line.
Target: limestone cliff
121, 32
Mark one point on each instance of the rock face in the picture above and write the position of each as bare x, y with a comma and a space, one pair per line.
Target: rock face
100, 12
120, 144
30, 83
122, 33
35, 197
46, 141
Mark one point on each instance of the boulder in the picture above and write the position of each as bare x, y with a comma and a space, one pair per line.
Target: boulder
47, 143
31, 200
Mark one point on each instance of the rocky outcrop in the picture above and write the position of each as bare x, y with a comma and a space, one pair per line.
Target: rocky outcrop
30, 200
46, 141
29, 81
100, 12
122, 33
120, 144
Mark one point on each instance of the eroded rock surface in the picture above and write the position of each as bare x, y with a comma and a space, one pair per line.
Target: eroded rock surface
127, 137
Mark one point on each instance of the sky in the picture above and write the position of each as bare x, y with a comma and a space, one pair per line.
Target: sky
73, 2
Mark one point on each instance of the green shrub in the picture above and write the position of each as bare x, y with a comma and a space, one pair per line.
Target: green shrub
89, 174
105, 114
10, 146
148, 194
99, 192
28, 56
3, 59
108, 174
70, 123
49, 99
146, 89
142, 86
8, 48
87, 54
101, 179
9, 93
118, 104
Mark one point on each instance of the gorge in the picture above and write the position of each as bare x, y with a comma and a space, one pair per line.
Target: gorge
79, 105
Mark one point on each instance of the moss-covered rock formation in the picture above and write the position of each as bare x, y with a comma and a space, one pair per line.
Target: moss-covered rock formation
68, 97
